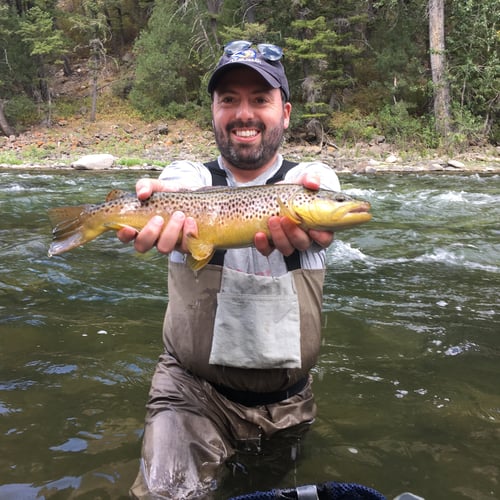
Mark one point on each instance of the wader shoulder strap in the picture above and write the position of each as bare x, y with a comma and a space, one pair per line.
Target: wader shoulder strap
219, 178
280, 174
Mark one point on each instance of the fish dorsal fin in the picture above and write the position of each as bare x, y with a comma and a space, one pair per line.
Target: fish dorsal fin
285, 210
201, 252
115, 194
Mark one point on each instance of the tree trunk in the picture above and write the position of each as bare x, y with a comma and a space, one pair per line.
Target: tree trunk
250, 7
214, 7
442, 112
4, 124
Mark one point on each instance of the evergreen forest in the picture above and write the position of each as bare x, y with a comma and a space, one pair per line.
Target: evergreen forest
425, 72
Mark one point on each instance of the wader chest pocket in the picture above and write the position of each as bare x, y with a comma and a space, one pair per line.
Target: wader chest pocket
257, 323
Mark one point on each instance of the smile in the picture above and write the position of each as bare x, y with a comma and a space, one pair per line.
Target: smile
246, 133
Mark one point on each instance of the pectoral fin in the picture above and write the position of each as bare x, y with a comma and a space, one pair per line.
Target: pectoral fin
115, 226
201, 252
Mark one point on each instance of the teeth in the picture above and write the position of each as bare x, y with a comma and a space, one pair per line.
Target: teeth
246, 133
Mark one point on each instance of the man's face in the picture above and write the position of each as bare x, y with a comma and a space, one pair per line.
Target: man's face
249, 118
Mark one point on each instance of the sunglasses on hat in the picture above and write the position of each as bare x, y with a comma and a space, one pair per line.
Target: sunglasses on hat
268, 51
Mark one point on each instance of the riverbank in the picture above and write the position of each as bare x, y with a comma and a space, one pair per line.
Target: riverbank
134, 144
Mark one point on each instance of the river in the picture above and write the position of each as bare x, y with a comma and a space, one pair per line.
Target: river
407, 384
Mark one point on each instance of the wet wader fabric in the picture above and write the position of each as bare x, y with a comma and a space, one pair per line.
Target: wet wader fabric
199, 414
208, 429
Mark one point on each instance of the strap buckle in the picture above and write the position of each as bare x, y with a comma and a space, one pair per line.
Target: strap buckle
307, 492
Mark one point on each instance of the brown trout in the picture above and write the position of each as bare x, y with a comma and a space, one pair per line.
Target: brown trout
226, 217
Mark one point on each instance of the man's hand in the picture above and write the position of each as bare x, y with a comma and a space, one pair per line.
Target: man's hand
287, 236
156, 233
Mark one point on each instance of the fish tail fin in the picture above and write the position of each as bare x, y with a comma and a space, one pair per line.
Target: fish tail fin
71, 228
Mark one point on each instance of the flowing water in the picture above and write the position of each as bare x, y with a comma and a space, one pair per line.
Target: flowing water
407, 385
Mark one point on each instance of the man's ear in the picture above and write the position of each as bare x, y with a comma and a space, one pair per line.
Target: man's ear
287, 110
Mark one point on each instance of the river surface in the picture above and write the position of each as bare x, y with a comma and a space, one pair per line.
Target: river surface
407, 385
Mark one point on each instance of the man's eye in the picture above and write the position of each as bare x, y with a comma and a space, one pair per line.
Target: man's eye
261, 100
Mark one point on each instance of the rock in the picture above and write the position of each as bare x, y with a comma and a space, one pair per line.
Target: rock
455, 164
94, 162
436, 167
391, 159
162, 129
378, 139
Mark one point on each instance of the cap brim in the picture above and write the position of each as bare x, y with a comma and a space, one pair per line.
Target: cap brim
218, 73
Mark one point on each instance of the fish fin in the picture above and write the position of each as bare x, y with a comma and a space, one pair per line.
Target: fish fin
201, 252
285, 210
60, 215
72, 227
115, 226
197, 264
115, 194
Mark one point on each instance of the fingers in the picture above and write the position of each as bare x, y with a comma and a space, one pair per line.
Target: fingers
127, 234
323, 238
150, 233
166, 237
169, 237
155, 233
145, 187
262, 244
286, 236
310, 181
291, 237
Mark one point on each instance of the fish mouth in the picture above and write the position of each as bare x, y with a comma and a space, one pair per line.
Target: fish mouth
360, 208
356, 214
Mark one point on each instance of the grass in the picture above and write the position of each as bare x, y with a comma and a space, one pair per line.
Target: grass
9, 158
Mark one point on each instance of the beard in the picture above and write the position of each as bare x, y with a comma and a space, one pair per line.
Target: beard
249, 156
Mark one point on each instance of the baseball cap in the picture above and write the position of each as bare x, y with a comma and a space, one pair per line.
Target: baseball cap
264, 58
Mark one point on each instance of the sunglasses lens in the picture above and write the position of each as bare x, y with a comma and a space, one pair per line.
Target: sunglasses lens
236, 46
270, 52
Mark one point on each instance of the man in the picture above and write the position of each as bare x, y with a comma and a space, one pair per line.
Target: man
208, 400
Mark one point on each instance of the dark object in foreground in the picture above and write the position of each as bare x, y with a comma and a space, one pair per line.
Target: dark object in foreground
325, 491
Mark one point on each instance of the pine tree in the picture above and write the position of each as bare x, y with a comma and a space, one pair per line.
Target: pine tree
46, 44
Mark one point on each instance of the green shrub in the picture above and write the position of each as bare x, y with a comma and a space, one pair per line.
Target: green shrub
20, 111
67, 107
467, 127
401, 128
351, 127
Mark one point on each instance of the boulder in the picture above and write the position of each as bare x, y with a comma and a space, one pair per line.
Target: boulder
94, 162
455, 164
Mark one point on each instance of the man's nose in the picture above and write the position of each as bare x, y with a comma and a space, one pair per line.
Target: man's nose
245, 110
